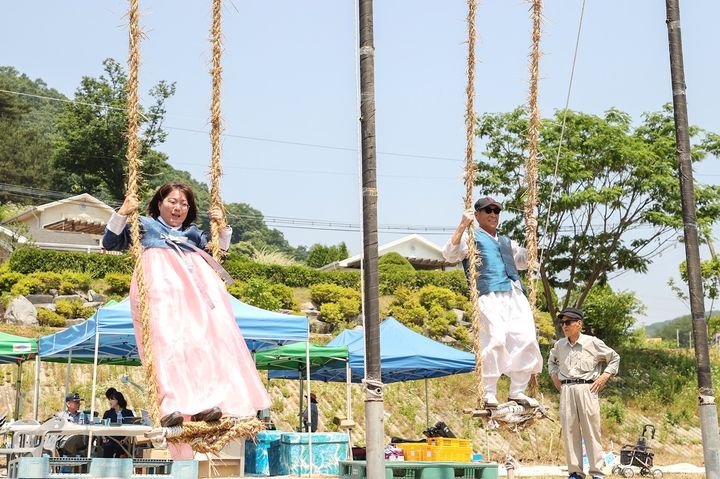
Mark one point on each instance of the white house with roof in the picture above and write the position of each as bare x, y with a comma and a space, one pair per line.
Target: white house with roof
76, 223
420, 252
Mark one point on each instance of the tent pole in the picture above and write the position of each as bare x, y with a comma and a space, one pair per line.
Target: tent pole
36, 394
302, 398
309, 405
427, 405
67, 374
91, 420
348, 390
18, 383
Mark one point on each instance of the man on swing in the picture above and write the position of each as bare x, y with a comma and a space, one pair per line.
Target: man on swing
508, 342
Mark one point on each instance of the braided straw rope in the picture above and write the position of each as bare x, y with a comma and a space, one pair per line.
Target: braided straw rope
212, 437
134, 165
216, 127
473, 257
531, 167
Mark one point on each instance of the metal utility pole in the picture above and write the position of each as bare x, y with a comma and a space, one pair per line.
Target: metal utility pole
706, 396
374, 408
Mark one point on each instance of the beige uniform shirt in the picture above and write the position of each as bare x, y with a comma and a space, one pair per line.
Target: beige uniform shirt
587, 359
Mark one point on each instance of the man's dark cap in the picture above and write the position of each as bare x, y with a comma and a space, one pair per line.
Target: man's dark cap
73, 397
572, 313
486, 201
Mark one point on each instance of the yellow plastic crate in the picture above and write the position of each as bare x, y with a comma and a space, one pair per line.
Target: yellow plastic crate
413, 451
448, 442
448, 453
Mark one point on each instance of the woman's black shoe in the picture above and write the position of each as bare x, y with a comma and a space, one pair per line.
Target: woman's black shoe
208, 415
171, 420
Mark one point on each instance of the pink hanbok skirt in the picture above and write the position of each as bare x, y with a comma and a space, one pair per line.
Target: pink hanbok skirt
199, 354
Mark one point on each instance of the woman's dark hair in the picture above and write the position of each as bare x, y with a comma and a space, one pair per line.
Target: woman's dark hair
118, 396
109, 393
154, 210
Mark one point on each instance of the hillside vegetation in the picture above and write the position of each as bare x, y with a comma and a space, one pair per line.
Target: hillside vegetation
655, 386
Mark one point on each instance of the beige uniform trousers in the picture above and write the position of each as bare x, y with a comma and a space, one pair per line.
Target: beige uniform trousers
580, 419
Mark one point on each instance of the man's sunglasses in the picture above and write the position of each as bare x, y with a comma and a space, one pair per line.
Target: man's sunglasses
568, 322
491, 209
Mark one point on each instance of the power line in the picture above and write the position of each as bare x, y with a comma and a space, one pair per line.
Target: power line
234, 135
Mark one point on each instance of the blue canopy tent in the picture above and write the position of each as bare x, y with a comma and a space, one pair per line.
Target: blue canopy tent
116, 338
404, 356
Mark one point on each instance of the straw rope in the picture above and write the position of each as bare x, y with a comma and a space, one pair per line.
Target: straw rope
216, 127
134, 166
531, 168
473, 257
212, 437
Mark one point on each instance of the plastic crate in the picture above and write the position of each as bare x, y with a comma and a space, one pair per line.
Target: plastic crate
413, 451
76, 468
448, 454
421, 470
448, 442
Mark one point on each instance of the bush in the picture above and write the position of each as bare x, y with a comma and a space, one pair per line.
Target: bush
73, 281
243, 269
443, 297
438, 322
341, 312
117, 283
37, 283
46, 317
31, 260
394, 262
331, 293
8, 280
285, 295
73, 308
258, 292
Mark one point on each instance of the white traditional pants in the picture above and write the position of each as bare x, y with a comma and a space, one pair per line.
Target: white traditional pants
508, 340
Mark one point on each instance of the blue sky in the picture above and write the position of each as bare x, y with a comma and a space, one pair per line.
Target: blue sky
290, 93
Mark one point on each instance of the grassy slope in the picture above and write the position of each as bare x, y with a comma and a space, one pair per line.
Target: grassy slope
655, 386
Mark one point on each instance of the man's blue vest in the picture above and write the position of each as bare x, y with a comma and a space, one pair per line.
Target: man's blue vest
497, 270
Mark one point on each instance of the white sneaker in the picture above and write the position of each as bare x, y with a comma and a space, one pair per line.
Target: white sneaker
489, 400
524, 400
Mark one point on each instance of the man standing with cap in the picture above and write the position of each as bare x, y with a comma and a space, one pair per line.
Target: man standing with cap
580, 365
507, 339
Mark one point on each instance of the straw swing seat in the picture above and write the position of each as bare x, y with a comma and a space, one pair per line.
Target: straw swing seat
204, 437
510, 415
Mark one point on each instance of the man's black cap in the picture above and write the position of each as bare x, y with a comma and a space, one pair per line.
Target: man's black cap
486, 201
572, 313
72, 397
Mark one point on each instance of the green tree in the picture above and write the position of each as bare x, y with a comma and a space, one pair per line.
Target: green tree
610, 315
615, 197
91, 144
710, 274
319, 255
27, 123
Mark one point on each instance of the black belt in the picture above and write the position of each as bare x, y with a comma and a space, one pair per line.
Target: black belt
576, 381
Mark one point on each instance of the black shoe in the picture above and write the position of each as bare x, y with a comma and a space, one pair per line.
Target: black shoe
171, 420
208, 415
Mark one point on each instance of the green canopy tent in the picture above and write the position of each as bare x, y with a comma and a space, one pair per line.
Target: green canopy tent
16, 350
302, 357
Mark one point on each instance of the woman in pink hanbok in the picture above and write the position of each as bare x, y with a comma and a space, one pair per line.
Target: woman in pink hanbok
202, 365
